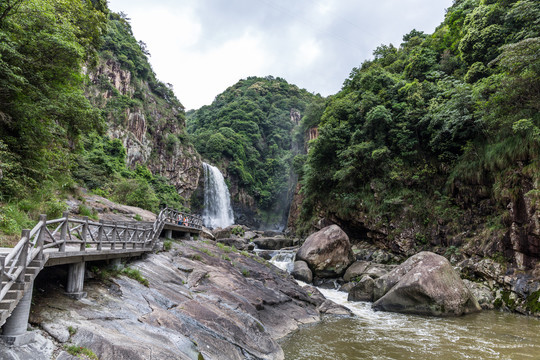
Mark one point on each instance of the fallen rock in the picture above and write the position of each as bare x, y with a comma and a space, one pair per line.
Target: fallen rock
327, 252
425, 284
302, 272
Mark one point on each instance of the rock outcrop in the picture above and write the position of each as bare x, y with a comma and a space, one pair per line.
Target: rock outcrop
203, 301
327, 252
425, 284
151, 128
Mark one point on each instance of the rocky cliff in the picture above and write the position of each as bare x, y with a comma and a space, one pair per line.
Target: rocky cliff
150, 128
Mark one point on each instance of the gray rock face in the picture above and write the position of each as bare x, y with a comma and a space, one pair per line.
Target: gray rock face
202, 300
425, 284
273, 243
327, 252
302, 272
363, 290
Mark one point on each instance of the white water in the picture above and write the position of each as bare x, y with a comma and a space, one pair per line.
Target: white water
284, 259
217, 200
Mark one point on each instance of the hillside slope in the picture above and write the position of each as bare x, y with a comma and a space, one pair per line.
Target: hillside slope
248, 132
436, 144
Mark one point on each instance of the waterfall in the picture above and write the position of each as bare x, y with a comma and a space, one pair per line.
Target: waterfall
217, 201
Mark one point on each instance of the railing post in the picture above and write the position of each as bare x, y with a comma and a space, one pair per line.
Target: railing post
84, 233
113, 240
100, 234
39, 242
136, 236
64, 232
126, 236
2, 267
23, 258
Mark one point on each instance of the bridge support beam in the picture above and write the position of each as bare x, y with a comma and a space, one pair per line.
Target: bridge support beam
168, 233
14, 330
75, 281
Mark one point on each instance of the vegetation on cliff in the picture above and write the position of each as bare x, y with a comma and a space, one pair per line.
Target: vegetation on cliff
56, 118
248, 132
443, 126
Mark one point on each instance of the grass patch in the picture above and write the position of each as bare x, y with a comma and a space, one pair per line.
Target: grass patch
225, 257
208, 252
135, 274
137, 217
167, 245
86, 211
80, 352
224, 247
245, 272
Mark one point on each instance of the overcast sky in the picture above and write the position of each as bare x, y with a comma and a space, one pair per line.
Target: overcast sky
204, 46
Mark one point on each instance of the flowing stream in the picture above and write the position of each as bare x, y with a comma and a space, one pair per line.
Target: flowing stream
384, 336
217, 200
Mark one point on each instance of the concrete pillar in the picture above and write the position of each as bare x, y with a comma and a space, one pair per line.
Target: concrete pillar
168, 233
14, 330
75, 281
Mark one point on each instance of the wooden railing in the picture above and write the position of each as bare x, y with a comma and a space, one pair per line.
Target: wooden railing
75, 235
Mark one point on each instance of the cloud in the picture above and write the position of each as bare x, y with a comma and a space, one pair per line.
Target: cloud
204, 46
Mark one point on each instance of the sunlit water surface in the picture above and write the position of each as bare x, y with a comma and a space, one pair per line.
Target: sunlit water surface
383, 335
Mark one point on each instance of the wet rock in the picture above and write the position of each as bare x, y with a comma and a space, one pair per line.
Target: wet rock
425, 284
302, 272
272, 243
363, 290
327, 252
330, 307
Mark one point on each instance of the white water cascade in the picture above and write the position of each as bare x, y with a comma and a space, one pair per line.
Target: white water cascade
217, 200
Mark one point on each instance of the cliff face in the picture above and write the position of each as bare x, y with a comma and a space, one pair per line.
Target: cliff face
150, 126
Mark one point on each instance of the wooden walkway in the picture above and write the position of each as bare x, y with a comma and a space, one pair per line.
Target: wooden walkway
70, 240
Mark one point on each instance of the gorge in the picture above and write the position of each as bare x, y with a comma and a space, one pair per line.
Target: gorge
432, 145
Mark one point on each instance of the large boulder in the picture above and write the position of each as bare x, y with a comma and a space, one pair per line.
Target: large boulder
425, 284
327, 252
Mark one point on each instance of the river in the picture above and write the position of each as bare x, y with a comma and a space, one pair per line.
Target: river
383, 335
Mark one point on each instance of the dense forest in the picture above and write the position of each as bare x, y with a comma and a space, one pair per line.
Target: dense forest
438, 135
248, 131
432, 143
56, 113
